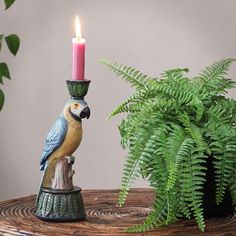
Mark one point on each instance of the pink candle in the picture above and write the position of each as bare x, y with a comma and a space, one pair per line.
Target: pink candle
78, 45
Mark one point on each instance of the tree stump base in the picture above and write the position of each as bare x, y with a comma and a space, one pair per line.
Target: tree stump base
60, 205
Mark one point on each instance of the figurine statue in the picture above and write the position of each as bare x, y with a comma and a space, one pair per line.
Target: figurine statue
61, 142
58, 199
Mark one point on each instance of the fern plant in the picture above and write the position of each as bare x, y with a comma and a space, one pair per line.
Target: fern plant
174, 124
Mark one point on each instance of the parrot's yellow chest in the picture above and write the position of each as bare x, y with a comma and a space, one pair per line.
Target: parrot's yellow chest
72, 140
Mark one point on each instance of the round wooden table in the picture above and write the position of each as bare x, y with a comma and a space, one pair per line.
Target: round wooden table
103, 217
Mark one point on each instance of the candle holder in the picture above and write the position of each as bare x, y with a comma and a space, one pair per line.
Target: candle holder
78, 88
58, 199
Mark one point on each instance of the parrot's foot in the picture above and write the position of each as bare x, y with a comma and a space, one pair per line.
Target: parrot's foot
70, 159
71, 173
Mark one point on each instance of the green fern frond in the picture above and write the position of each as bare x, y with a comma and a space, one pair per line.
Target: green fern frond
184, 93
192, 181
222, 111
194, 131
174, 72
211, 78
198, 104
127, 127
133, 76
155, 219
224, 163
130, 173
129, 108
215, 71
173, 198
232, 187
138, 97
175, 75
148, 224
147, 146
179, 146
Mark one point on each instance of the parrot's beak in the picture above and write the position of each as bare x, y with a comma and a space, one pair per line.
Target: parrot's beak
85, 113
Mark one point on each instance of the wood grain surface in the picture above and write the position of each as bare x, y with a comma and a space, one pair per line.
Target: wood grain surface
103, 218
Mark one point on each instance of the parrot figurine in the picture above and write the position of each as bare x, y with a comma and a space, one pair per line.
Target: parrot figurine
63, 139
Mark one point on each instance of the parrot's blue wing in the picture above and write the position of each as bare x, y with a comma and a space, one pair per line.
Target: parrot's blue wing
54, 140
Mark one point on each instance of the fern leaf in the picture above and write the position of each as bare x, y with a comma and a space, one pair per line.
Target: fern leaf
194, 131
133, 76
192, 182
148, 224
216, 70
135, 158
175, 75
184, 92
174, 72
179, 146
232, 187
139, 96
211, 78
130, 173
155, 218
224, 155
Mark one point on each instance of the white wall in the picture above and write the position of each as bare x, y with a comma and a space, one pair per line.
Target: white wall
151, 35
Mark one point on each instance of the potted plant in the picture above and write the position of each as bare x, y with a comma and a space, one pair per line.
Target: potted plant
180, 134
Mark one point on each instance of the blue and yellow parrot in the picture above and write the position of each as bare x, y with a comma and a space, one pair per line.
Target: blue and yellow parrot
64, 137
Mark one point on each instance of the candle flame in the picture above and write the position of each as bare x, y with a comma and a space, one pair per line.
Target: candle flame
77, 28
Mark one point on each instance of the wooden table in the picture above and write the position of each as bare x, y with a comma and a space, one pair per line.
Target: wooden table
103, 218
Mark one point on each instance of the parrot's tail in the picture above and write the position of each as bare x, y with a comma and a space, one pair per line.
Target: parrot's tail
46, 179
39, 192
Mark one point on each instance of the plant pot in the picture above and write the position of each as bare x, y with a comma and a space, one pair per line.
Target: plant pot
211, 209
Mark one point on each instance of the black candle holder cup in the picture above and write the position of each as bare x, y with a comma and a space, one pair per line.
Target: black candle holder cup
78, 88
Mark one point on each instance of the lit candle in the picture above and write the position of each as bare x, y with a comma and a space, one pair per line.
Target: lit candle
78, 44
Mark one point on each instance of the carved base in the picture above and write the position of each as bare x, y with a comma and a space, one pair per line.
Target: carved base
60, 205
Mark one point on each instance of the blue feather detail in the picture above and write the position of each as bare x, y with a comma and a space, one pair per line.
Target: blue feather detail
54, 140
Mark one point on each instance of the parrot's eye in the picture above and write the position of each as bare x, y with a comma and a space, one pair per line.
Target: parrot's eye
76, 105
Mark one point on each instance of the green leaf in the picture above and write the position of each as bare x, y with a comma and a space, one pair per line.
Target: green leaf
212, 78
1, 99
13, 43
4, 72
131, 75
1, 38
8, 3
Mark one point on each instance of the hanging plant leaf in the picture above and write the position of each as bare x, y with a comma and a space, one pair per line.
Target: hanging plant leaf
1, 99
1, 38
8, 3
13, 43
4, 72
